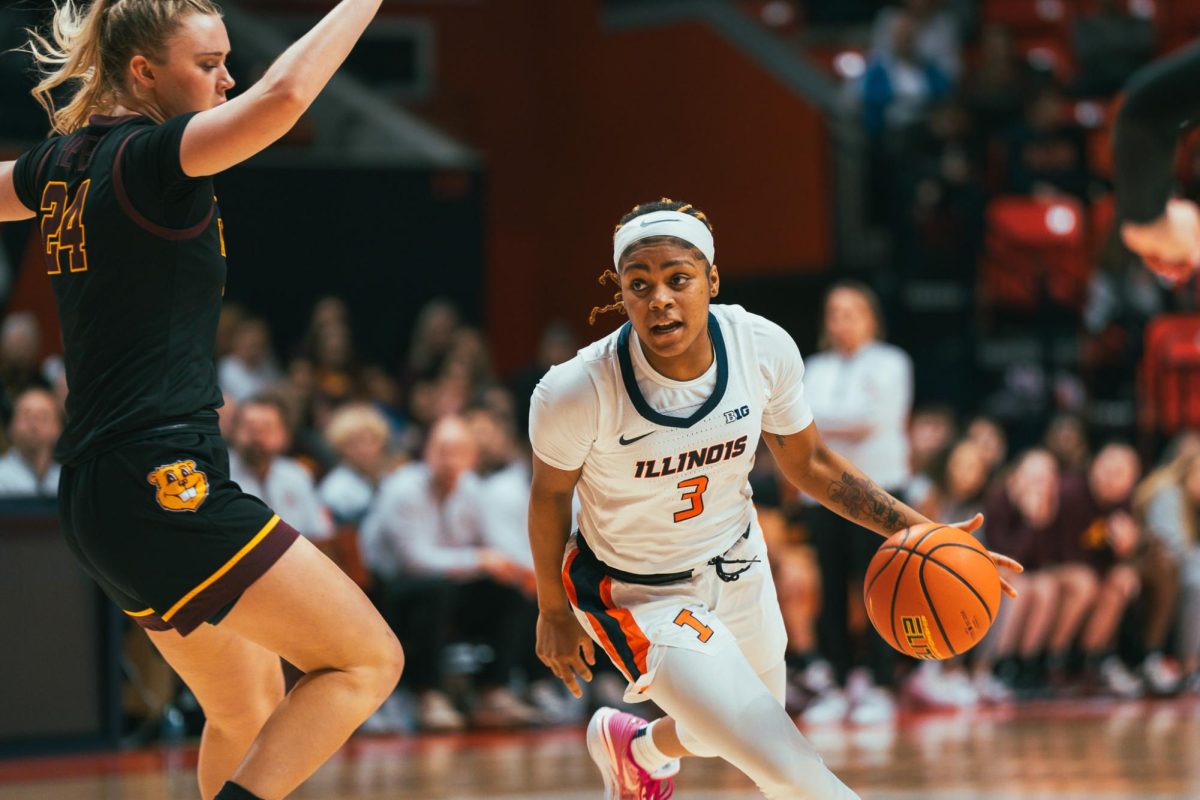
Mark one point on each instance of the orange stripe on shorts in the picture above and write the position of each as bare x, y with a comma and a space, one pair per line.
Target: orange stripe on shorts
637, 640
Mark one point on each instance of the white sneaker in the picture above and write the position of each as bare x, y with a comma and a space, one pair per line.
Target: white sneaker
388, 718
435, 712
829, 706
932, 686
557, 706
500, 708
1117, 680
875, 707
1160, 675
990, 689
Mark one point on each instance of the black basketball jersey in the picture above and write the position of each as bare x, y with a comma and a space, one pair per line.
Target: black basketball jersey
135, 251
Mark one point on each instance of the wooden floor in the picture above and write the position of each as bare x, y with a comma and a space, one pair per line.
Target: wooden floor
1094, 750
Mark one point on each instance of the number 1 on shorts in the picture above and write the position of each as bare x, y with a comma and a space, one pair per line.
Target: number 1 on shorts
686, 617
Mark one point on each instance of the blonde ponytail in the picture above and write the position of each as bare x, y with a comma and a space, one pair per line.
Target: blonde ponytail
91, 47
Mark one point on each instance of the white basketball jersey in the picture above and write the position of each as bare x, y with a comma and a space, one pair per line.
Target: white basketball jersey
661, 493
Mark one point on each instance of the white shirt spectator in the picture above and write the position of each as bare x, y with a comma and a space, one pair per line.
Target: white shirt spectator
290, 492
346, 493
871, 391
408, 531
506, 494
17, 478
241, 382
937, 40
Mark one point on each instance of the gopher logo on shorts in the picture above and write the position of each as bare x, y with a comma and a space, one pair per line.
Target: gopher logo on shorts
181, 487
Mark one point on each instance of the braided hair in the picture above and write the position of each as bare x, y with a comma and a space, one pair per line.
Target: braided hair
665, 204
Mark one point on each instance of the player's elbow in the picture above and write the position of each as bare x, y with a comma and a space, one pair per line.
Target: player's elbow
284, 99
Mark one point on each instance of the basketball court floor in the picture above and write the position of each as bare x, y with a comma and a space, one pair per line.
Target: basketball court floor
1060, 750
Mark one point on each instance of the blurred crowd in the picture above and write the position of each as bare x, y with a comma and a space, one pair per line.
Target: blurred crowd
414, 477
416, 482
988, 128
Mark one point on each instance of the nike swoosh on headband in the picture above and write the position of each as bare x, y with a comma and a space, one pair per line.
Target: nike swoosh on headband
623, 440
649, 222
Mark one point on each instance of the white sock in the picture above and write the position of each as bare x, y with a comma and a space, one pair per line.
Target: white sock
647, 755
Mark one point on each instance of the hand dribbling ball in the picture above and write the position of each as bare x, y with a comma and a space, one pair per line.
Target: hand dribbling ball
932, 591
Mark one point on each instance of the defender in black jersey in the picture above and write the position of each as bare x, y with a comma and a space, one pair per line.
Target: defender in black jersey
146, 500
134, 248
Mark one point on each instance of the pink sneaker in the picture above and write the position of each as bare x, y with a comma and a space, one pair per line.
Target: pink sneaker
609, 738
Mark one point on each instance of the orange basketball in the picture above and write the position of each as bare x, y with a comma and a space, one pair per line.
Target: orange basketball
932, 591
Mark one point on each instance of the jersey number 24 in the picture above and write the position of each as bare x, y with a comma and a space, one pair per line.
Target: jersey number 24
62, 227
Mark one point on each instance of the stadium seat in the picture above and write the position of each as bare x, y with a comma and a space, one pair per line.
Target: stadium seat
1034, 248
1169, 380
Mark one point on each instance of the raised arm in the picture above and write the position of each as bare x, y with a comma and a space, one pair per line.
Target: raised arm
835, 483
562, 645
11, 208
219, 138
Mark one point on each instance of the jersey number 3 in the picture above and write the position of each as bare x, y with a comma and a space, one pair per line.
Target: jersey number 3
62, 227
695, 493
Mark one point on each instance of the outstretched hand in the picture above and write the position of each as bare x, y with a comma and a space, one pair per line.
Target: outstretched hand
972, 525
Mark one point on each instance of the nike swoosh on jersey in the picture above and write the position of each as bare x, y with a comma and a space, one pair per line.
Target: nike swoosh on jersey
623, 440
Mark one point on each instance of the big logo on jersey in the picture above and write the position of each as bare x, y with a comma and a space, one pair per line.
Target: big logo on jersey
180, 486
705, 456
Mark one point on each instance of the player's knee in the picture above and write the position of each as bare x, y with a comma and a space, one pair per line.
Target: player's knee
383, 663
248, 705
785, 775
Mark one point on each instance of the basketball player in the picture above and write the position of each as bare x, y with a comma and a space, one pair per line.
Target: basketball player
655, 427
1162, 99
133, 244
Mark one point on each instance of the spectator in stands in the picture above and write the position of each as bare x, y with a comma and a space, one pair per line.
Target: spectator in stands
1067, 440
900, 83
250, 367
432, 339
359, 434
931, 431
1047, 150
469, 356
996, 88
1110, 44
959, 479
860, 389
20, 347
426, 541
1021, 510
991, 440
935, 36
504, 475
558, 344
505, 478
257, 463
1168, 502
28, 469
231, 317
1097, 538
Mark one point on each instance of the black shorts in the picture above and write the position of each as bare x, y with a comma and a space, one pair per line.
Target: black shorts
161, 527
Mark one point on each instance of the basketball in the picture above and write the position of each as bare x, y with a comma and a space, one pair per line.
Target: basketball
932, 591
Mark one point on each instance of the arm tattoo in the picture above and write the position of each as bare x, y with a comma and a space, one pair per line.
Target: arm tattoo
780, 440
862, 500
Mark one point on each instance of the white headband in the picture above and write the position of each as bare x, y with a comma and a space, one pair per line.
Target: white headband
664, 223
